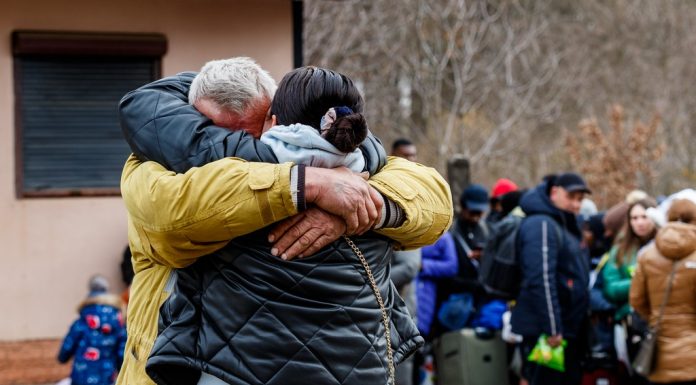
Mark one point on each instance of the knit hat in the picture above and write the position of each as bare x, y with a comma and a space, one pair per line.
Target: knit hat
587, 208
501, 187
682, 210
98, 284
635, 196
615, 218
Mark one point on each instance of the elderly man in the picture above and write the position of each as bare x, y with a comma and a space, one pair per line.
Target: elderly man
174, 219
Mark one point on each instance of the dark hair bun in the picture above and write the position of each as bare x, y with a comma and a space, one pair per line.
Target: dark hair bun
347, 132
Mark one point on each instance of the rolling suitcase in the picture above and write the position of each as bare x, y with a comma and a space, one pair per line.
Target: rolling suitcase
471, 357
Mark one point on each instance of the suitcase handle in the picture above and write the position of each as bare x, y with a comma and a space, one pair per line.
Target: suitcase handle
484, 333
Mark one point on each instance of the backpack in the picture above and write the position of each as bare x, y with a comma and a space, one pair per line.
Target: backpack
500, 272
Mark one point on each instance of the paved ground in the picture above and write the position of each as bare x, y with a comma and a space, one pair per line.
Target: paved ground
31, 362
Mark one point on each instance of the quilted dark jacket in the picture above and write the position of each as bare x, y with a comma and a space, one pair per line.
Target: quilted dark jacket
244, 315
247, 317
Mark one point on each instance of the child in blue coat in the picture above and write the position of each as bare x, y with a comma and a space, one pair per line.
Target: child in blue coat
97, 338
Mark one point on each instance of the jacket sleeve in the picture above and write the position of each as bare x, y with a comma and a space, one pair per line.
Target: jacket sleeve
374, 153
160, 125
121, 346
424, 196
538, 260
180, 217
440, 259
616, 287
70, 342
404, 266
638, 295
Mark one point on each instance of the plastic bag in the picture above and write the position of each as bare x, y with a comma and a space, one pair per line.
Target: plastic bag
543, 354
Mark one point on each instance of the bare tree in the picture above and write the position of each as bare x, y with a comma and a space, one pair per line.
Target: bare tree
615, 160
500, 81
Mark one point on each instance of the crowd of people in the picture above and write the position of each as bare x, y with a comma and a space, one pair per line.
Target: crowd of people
594, 282
273, 241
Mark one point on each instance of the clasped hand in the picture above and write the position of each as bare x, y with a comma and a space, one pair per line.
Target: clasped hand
340, 202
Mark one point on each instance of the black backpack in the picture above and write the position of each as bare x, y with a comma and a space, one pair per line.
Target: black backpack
499, 271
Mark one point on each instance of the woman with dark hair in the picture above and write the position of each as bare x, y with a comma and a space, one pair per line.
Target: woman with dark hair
320, 121
244, 316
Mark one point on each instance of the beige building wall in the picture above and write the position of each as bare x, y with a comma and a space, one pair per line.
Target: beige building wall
49, 247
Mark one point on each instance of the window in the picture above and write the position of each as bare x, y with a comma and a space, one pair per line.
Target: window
67, 89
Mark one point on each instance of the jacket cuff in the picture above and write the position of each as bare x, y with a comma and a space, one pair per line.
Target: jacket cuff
393, 215
297, 187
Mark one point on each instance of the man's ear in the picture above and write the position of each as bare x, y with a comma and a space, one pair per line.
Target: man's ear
273, 120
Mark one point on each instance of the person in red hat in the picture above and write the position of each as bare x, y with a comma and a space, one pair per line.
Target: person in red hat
501, 187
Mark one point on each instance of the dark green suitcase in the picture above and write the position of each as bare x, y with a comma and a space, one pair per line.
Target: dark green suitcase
464, 357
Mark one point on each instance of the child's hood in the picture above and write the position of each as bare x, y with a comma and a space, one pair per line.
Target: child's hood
101, 299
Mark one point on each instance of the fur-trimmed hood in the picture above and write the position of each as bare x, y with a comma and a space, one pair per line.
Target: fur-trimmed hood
101, 299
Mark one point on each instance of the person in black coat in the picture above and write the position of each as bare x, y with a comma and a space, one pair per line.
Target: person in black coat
553, 298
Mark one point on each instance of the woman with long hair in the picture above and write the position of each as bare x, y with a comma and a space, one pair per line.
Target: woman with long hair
638, 231
617, 274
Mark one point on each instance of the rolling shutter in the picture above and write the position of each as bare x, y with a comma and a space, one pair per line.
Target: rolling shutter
67, 89
71, 138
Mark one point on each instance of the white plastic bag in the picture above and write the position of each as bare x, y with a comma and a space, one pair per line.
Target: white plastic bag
621, 348
507, 334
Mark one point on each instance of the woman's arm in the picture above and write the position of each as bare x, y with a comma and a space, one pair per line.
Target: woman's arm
616, 287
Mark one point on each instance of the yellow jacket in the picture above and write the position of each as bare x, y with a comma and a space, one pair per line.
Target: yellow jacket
173, 219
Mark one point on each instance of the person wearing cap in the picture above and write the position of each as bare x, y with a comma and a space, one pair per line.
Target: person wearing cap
501, 187
553, 298
470, 234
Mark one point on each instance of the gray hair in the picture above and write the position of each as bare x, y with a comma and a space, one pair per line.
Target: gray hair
232, 84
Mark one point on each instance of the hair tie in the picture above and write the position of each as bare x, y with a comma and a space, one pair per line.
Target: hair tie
330, 117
